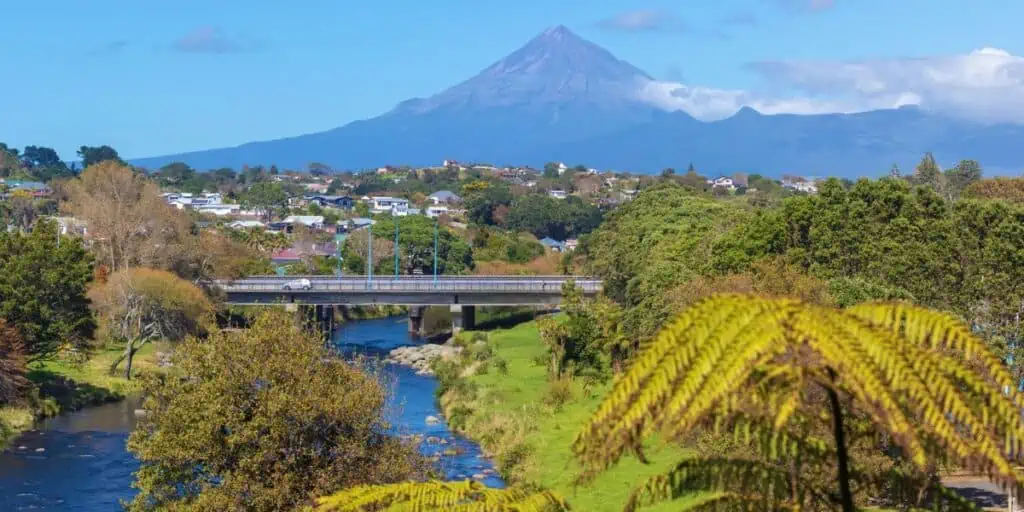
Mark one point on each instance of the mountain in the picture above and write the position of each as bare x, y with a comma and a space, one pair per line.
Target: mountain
562, 98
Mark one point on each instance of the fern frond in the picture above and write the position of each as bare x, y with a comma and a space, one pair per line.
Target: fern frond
914, 372
465, 496
727, 477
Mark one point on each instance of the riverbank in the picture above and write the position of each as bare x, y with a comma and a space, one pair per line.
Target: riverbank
500, 396
60, 386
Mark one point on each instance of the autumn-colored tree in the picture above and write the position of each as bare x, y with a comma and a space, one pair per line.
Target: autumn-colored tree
140, 305
129, 223
262, 420
1007, 189
753, 365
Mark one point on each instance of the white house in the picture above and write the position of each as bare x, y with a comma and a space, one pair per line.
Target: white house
247, 224
394, 205
310, 221
220, 209
562, 168
722, 182
806, 186
436, 211
557, 194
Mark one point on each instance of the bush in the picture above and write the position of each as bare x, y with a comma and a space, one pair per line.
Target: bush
501, 365
459, 416
559, 393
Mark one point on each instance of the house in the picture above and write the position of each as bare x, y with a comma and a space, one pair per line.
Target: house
310, 221
562, 168
571, 244
557, 194
552, 244
444, 197
36, 188
393, 205
357, 223
325, 201
317, 188
219, 210
722, 182
247, 224
437, 211
285, 257
410, 211
806, 186
71, 226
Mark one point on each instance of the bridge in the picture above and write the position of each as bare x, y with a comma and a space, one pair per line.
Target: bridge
460, 293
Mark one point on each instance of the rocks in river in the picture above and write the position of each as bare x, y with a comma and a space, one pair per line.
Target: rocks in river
432, 420
40, 450
479, 476
420, 357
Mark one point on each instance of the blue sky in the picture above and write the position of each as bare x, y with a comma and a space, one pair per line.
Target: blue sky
153, 78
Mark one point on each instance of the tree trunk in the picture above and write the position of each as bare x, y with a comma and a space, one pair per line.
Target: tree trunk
129, 354
842, 458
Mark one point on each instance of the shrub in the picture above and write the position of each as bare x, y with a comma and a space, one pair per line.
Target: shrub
559, 393
501, 365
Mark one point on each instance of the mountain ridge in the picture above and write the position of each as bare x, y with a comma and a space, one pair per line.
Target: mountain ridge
560, 97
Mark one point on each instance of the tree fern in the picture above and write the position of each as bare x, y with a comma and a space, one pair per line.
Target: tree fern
747, 363
465, 496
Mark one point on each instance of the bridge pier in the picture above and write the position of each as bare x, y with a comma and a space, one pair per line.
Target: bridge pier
416, 319
463, 317
317, 317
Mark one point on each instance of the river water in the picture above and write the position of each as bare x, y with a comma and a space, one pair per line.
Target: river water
78, 461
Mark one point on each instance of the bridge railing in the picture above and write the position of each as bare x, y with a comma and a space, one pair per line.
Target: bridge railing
384, 284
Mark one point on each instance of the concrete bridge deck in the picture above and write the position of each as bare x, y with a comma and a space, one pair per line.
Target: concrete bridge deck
406, 290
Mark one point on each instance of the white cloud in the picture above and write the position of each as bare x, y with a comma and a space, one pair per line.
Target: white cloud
644, 20
985, 85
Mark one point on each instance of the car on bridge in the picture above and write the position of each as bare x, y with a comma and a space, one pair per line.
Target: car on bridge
298, 284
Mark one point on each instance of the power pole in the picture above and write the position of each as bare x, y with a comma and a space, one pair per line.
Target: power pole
396, 248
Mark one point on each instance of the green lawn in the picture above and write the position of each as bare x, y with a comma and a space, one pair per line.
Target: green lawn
62, 385
510, 410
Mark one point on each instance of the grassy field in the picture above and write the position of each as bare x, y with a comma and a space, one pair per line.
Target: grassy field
62, 386
518, 420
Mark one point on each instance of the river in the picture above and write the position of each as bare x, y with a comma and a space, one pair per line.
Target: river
78, 461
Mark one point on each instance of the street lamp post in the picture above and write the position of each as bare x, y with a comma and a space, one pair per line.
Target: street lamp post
396, 248
435, 251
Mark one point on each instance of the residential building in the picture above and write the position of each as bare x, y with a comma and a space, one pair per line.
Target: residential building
247, 224
36, 188
356, 223
340, 202
220, 210
436, 211
571, 244
316, 188
444, 197
552, 244
393, 205
557, 194
310, 221
722, 182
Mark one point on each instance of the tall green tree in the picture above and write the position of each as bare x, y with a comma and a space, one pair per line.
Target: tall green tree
960, 177
266, 198
788, 377
928, 172
43, 285
95, 154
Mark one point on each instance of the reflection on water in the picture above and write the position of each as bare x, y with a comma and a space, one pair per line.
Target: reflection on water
79, 461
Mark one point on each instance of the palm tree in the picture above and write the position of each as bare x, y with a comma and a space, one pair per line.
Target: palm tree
754, 366
465, 496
